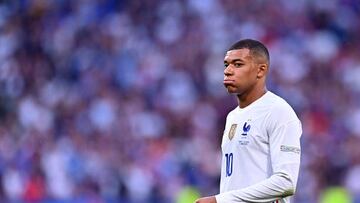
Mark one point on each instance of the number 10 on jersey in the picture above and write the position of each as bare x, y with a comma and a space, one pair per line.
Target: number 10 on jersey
229, 164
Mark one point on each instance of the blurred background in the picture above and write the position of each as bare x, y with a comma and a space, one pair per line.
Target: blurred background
122, 101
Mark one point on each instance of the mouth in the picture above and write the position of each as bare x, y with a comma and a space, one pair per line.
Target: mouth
228, 82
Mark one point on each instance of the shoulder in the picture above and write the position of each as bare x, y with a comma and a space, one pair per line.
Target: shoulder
280, 110
231, 114
282, 118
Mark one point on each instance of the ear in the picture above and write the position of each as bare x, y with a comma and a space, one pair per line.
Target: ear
262, 70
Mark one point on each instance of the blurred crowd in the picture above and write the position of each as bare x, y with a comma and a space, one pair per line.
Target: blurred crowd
122, 100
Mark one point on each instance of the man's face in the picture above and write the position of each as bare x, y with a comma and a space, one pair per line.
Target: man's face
240, 74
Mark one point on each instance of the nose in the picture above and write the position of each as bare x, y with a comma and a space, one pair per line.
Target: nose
228, 70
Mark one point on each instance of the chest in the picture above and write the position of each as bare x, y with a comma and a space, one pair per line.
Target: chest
245, 133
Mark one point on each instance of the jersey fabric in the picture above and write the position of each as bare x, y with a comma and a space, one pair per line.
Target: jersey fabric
261, 152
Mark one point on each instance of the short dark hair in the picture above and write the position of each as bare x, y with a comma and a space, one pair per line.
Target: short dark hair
255, 47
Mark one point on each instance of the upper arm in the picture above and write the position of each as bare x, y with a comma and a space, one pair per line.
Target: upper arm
284, 141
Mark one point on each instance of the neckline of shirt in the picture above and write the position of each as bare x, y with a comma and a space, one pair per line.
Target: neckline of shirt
254, 102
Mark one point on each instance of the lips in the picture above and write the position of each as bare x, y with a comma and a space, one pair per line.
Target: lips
228, 82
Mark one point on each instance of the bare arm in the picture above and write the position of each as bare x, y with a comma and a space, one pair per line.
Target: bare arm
210, 199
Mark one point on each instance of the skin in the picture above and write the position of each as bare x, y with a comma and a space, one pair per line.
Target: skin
206, 200
245, 76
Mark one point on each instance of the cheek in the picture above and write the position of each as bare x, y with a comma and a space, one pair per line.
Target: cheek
252, 75
243, 74
246, 78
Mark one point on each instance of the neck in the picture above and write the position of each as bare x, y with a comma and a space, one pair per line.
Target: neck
247, 98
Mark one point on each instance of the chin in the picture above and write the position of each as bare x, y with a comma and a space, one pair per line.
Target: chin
231, 90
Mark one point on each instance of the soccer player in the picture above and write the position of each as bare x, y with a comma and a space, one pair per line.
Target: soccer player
261, 141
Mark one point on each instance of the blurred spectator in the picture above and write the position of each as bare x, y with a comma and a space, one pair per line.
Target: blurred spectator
122, 101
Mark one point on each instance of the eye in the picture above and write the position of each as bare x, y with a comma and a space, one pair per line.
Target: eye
237, 65
226, 65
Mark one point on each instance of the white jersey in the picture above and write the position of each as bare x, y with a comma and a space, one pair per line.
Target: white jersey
261, 152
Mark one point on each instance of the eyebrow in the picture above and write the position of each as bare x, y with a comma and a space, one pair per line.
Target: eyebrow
233, 61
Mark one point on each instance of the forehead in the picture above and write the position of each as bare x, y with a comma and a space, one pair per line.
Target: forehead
242, 54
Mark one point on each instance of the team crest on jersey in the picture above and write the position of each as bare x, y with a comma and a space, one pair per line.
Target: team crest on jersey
246, 128
232, 131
